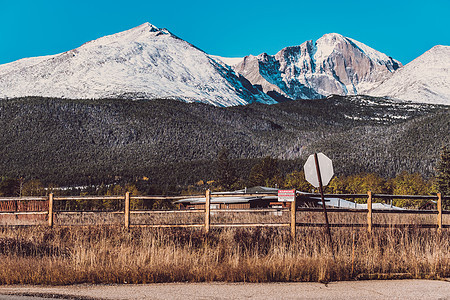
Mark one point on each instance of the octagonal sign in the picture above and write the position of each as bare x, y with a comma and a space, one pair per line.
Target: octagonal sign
326, 169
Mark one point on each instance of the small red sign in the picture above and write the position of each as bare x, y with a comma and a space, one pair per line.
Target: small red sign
286, 195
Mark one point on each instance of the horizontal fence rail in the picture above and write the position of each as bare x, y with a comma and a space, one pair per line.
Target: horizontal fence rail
16, 206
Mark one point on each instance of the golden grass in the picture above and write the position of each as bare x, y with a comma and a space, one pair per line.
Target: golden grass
112, 254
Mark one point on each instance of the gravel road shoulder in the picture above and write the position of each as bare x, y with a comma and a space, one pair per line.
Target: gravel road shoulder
374, 289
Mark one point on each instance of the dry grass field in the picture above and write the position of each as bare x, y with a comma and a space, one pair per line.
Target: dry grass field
112, 254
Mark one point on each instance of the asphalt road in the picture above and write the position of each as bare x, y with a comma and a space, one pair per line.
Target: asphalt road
375, 289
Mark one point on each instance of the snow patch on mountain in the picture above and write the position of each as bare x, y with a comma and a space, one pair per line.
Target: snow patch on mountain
231, 61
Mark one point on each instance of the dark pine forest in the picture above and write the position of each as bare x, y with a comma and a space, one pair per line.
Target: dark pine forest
172, 143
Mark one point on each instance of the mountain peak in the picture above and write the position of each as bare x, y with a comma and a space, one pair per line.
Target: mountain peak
139, 34
143, 29
333, 36
146, 28
332, 40
327, 44
149, 26
336, 42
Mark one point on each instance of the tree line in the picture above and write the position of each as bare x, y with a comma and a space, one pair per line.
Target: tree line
267, 171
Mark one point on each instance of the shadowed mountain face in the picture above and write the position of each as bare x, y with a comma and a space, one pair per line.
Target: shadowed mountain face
333, 64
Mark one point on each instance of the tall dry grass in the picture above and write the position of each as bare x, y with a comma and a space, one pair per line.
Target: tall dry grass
112, 254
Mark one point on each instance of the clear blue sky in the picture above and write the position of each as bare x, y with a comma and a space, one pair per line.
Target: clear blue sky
403, 29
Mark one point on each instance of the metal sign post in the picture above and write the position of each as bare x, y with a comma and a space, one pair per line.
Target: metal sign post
319, 171
319, 178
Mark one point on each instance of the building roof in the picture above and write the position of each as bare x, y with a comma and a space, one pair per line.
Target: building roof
233, 198
257, 189
236, 198
224, 200
341, 203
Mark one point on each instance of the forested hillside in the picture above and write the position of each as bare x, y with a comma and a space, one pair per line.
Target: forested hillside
93, 141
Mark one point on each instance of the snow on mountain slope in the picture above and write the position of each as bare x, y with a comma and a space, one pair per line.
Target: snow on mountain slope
231, 61
333, 64
143, 62
426, 79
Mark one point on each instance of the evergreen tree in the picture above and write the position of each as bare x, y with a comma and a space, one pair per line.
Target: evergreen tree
226, 172
9, 187
264, 172
443, 175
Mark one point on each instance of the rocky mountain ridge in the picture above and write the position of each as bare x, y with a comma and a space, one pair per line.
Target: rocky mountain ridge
333, 64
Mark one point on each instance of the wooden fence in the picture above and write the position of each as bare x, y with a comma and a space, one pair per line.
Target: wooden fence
13, 208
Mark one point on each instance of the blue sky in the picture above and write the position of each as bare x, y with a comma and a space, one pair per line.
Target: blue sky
402, 29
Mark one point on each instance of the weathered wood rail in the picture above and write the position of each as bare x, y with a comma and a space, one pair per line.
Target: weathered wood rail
207, 224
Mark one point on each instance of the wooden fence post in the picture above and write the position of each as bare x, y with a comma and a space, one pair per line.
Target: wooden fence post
207, 210
127, 210
439, 208
50, 210
369, 211
293, 217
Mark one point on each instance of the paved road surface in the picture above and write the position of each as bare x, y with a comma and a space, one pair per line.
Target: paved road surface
388, 289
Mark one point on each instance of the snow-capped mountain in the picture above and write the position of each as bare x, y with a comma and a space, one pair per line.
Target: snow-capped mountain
143, 62
426, 79
148, 62
334, 64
